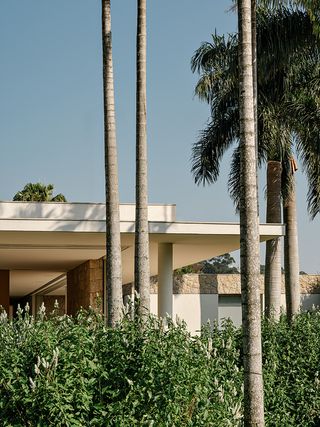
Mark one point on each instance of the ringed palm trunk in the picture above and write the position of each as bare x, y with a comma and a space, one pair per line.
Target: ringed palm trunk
272, 278
249, 230
291, 255
255, 80
142, 269
113, 244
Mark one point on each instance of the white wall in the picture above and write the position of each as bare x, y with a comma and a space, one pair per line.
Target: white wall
308, 301
197, 309
230, 307
194, 309
80, 211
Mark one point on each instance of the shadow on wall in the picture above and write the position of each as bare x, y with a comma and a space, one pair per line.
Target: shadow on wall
310, 301
208, 289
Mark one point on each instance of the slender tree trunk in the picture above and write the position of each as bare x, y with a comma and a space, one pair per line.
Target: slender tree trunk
255, 80
113, 245
291, 255
249, 230
272, 277
142, 269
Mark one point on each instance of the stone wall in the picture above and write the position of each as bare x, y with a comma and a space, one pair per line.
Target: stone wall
226, 284
85, 286
85, 283
4, 289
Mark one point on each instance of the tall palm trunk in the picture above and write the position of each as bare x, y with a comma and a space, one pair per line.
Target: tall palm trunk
249, 230
291, 255
272, 278
113, 245
142, 269
255, 80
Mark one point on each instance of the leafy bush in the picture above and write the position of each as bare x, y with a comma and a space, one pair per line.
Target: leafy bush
291, 371
63, 371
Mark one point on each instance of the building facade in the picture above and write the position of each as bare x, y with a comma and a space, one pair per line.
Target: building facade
57, 250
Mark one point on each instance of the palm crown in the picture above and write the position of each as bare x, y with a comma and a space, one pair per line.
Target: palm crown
288, 87
38, 193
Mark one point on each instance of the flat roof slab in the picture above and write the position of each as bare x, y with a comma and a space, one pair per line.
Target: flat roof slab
69, 234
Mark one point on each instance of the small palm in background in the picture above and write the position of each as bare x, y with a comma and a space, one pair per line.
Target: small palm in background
38, 193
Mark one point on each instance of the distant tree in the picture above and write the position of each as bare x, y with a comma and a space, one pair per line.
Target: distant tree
222, 264
187, 269
38, 192
302, 272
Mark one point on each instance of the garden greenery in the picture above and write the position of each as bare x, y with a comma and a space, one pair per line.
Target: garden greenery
64, 371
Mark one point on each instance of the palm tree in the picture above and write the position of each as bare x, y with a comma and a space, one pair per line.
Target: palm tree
291, 255
304, 111
312, 7
113, 244
142, 269
217, 63
255, 75
38, 192
272, 277
249, 228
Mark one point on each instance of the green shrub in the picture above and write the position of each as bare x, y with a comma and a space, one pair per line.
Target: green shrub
63, 371
291, 370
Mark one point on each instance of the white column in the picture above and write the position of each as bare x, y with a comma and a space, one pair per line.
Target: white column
165, 279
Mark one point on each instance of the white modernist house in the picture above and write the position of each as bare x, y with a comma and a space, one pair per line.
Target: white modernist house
50, 250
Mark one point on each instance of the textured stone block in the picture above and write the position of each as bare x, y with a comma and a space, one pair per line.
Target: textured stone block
83, 284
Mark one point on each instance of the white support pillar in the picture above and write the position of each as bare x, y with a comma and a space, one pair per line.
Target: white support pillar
165, 279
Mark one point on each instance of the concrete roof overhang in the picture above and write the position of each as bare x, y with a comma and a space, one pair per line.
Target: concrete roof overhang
41, 241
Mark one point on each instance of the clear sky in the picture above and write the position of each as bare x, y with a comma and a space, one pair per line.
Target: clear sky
51, 127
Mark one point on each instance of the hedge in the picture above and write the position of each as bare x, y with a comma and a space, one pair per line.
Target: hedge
64, 371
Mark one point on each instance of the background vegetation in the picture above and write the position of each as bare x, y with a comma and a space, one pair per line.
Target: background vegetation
65, 371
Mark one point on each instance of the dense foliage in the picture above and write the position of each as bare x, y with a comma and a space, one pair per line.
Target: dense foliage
221, 264
38, 192
66, 371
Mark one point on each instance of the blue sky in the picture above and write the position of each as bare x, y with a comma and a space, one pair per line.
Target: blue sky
51, 127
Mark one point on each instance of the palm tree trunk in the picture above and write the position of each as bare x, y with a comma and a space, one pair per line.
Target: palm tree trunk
249, 230
291, 255
113, 244
142, 269
255, 80
272, 278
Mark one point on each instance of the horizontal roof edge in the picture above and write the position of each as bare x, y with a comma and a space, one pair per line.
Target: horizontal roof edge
79, 211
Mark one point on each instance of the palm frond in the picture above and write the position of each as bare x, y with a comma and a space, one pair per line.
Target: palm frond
303, 107
59, 198
312, 7
217, 63
283, 35
214, 55
214, 140
313, 196
309, 153
288, 85
275, 4
233, 180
